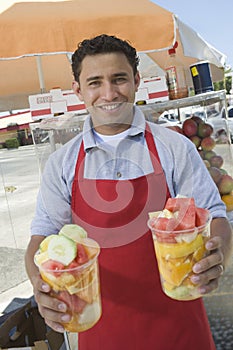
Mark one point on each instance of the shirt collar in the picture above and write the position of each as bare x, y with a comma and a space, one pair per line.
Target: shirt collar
137, 128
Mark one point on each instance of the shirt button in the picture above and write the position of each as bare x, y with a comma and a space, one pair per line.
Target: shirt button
118, 174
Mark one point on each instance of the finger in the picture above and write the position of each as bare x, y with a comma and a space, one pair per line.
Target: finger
48, 302
208, 288
40, 285
214, 243
55, 326
53, 317
213, 259
208, 276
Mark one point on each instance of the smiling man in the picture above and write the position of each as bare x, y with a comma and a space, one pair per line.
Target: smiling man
107, 84
107, 179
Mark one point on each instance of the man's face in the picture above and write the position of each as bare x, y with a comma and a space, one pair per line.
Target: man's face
107, 85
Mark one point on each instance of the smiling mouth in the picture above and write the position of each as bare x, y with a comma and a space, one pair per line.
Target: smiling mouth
110, 106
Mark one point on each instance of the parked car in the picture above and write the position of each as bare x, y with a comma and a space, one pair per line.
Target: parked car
230, 121
221, 123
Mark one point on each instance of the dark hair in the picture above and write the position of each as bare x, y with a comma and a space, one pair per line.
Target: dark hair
103, 44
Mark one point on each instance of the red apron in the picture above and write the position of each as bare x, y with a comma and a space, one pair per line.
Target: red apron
137, 315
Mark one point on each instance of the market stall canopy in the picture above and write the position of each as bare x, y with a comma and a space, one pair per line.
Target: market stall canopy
39, 35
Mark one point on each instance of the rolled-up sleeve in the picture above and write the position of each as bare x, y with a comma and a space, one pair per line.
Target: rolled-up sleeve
186, 172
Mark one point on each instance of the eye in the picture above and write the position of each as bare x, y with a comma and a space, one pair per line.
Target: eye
119, 80
94, 83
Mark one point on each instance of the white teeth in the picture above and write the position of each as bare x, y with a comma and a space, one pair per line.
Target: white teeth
110, 107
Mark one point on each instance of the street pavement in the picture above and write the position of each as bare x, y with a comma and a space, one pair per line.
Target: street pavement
19, 183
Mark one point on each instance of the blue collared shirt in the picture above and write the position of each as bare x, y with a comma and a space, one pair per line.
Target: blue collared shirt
185, 171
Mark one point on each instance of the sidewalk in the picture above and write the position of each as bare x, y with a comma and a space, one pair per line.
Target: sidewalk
19, 183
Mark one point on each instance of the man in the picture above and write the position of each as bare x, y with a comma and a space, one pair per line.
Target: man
107, 179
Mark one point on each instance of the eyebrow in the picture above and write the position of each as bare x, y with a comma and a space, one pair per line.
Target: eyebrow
120, 74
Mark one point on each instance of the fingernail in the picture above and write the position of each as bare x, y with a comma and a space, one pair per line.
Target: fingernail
197, 268
62, 307
209, 245
45, 287
202, 290
60, 329
195, 279
65, 318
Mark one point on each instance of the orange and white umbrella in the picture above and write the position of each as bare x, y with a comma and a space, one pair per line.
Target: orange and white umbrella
39, 35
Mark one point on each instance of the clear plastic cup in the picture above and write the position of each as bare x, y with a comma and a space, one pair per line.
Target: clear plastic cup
78, 287
176, 253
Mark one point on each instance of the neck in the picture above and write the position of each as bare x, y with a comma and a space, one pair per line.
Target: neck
111, 129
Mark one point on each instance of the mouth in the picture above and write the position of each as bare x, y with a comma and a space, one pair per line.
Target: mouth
109, 107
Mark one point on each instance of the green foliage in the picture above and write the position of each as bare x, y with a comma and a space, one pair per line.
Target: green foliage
12, 143
226, 83
223, 85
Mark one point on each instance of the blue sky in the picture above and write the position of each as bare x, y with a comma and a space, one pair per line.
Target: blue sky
211, 19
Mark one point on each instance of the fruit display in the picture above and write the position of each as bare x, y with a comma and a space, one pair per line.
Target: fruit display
179, 234
68, 263
201, 134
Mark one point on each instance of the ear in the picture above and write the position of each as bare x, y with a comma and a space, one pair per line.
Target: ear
77, 90
137, 80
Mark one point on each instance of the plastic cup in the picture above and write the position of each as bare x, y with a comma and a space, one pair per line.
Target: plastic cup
176, 253
79, 288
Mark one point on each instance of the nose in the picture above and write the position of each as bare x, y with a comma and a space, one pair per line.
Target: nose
109, 91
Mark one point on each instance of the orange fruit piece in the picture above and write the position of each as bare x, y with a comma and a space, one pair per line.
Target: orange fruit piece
174, 272
178, 250
228, 200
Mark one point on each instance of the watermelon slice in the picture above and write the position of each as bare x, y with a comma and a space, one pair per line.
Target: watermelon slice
202, 216
73, 301
175, 204
186, 212
51, 265
164, 228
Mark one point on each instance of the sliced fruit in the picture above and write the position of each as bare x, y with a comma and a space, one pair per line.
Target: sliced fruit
162, 229
51, 280
174, 271
90, 314
167, 214
44, 244
90, 293
186, 217
202, 216
164, 224
174, 204
154, 214
82, 257
74, 232
179, 293
177, 250
62, 249
83, 281
199, 253
185, 211
40, 258
53, 266
168, 286
91, 247
74, 303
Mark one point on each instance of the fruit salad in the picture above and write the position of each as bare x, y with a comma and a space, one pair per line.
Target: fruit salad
68, 263
179, 233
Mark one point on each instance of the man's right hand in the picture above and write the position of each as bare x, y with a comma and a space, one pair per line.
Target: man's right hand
53, 311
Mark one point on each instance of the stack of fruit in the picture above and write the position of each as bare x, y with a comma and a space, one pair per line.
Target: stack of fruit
201, 134
68, 263
179, 233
